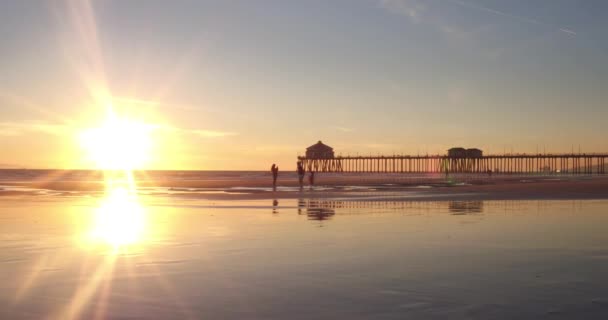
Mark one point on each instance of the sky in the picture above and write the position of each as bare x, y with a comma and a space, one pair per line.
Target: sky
239, 85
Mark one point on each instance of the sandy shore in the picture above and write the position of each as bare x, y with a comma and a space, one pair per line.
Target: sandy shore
358, 188
500, 190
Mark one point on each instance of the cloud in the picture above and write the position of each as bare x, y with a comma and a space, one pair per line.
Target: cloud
135, 101
512, 16
567, 31
199, 132
212, 133
13, 129
417, 11
343, 129
412, 9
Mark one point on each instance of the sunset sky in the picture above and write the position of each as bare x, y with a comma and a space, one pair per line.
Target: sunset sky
238, 85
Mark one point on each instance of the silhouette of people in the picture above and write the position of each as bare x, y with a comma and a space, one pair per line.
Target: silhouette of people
311, 179
275, 173
301, 173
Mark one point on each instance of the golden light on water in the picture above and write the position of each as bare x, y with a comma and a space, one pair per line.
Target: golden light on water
120, 219
120, 223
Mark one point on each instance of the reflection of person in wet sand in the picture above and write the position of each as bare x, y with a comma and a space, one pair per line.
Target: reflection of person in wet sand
275, 173
275, 203
301, 205
311, 179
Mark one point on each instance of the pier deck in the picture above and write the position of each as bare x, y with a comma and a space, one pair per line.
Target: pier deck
508, 163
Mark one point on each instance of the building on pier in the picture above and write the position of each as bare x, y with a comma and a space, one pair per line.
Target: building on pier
457, 152
320, 150
474, 153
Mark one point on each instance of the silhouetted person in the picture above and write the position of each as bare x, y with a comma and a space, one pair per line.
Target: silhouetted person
301, 173
275, 173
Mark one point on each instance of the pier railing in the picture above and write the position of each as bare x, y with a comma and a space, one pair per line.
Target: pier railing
590, 163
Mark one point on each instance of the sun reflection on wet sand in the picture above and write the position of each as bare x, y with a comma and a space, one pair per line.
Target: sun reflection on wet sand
119, 222
120, 219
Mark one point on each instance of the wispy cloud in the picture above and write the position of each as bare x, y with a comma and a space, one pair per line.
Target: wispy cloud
512, 16
343, 129
212, 133
199, 132
410, 8
135, 101
13, 129
567, 31
419, 11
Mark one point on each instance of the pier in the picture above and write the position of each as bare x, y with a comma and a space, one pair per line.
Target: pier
321, 158
498, 164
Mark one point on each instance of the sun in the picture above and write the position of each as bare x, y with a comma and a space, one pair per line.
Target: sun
118, 144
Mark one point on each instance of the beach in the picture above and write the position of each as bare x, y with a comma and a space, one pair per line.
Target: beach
302, 259
262, 160
229, 246
258, 185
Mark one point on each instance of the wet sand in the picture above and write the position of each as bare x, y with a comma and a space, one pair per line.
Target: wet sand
352, 187
499, 190
303, 259
385, 247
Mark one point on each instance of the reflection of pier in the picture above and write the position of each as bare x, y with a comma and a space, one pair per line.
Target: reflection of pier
320, 214
326, 209
512, 164
465, 207
316, 209
367, 204
321, 209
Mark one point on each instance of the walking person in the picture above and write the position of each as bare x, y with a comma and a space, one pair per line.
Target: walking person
275, 173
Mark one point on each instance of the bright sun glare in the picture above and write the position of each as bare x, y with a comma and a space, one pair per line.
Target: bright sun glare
118, 144
120, 220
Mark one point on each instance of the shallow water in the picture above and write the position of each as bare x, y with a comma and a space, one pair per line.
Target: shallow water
161, 258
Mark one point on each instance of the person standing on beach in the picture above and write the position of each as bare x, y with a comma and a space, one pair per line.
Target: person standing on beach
275, 173
301, 173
